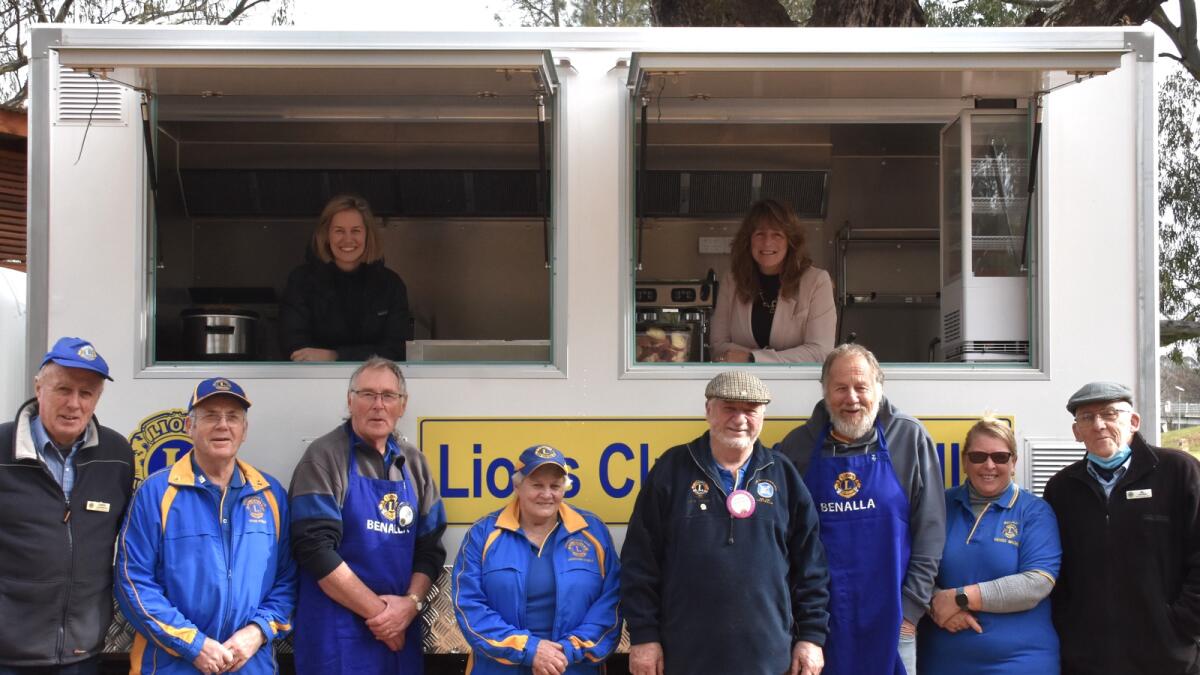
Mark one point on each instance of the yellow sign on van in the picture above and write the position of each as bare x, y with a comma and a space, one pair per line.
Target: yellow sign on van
473, 458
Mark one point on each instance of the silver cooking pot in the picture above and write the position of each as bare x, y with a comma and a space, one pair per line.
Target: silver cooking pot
219, 333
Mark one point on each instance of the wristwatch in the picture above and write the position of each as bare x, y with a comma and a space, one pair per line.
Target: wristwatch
417, 601
960, 598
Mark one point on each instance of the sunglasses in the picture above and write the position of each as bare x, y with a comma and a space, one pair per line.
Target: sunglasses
977, 457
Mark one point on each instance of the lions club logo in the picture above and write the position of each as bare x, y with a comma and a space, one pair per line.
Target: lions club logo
699, 488
1010, 529
255, 508
158, 441
578, 548
544, 451
388, 506
221, 385
847, 484
87, 353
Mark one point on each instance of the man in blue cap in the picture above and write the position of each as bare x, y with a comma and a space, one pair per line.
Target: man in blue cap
64, 483
1127, 598
204, 566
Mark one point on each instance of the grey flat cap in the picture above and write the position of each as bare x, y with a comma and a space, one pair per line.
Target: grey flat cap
1098, 392
737, 385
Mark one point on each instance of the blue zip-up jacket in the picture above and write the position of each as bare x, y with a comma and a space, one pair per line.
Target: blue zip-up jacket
724, 595
176, 581
488, 589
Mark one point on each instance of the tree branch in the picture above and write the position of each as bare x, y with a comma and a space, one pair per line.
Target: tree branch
1032, 4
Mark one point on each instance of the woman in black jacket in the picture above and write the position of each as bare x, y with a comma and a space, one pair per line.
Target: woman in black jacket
343, 304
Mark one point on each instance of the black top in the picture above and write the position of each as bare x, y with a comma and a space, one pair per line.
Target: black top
357, 314
762, 312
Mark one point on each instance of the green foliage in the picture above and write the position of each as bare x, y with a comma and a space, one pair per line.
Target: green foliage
798, 10
592, 13
971, 13
1179, 196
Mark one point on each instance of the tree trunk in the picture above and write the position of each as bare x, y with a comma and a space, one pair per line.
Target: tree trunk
719, 13
1094, 13
872, 13
1171, 331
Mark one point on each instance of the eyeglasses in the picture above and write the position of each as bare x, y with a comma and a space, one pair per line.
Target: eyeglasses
979, 457
1108, 415
368, 396
213, 419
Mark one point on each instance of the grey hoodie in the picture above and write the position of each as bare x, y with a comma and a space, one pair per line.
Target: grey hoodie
914, 458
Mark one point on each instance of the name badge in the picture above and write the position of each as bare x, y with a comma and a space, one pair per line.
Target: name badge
1139, 494
102, 507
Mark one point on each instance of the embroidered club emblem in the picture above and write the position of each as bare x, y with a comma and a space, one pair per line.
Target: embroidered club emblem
87, 353
847, 484
221, 385
578, 548
255, 508
544, 451
388, 506
699, 488
1010, 529
765, 489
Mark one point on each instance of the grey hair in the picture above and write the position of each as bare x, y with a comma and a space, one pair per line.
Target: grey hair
518, 477
851, 349
378, 363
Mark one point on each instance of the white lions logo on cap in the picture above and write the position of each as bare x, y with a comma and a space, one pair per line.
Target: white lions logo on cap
87, 353
544, 451
222, 385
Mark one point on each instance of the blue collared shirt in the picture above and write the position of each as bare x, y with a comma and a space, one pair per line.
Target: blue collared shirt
1108, 485
727, 478
226, 500
63, 469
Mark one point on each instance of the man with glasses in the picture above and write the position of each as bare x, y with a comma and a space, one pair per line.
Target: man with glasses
1127, 598
367, 521
204, 570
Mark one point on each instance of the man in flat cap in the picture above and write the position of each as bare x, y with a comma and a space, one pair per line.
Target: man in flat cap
722, 569
1127, 599
875, 476
204, 567
64, 483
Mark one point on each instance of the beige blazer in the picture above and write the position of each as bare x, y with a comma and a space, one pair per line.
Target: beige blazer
803, 328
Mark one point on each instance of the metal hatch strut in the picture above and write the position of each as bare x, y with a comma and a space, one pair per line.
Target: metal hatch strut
641, 182
1035, 145
543, 193
148, 141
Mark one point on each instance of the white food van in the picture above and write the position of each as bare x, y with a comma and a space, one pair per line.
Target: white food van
558, 201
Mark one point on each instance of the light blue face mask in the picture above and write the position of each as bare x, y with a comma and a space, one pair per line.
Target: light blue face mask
1117, 459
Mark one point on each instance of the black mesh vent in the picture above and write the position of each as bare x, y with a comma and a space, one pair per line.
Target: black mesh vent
662, 193
719, 193
804, 191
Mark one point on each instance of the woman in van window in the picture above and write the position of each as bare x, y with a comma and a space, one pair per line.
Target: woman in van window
773, 306
343, 304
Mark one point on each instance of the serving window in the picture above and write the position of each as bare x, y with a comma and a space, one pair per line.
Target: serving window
456, 164
916, 192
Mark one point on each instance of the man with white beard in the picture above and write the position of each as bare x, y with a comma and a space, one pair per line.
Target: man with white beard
877, 483
722, 569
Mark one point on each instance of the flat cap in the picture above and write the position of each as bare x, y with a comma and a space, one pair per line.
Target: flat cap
1099, 392
737, 385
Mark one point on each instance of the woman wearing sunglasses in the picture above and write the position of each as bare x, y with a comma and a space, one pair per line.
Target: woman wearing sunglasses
991, 607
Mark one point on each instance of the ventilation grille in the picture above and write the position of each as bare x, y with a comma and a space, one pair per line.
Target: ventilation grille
996, 350
12, 209
81, 96
952, 327
1048, 458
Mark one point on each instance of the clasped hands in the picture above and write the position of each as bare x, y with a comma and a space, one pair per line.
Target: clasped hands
389, 625
230, 656
946, 613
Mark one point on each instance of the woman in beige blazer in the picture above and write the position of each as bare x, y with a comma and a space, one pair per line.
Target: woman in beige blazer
773, 306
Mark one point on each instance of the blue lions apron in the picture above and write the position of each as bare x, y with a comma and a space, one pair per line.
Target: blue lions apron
378, 547
864, 528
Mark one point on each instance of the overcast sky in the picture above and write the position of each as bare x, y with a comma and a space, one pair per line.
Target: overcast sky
401, 14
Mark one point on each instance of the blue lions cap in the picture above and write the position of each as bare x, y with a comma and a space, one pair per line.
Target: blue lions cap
217, 386
538, 455
73, 352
